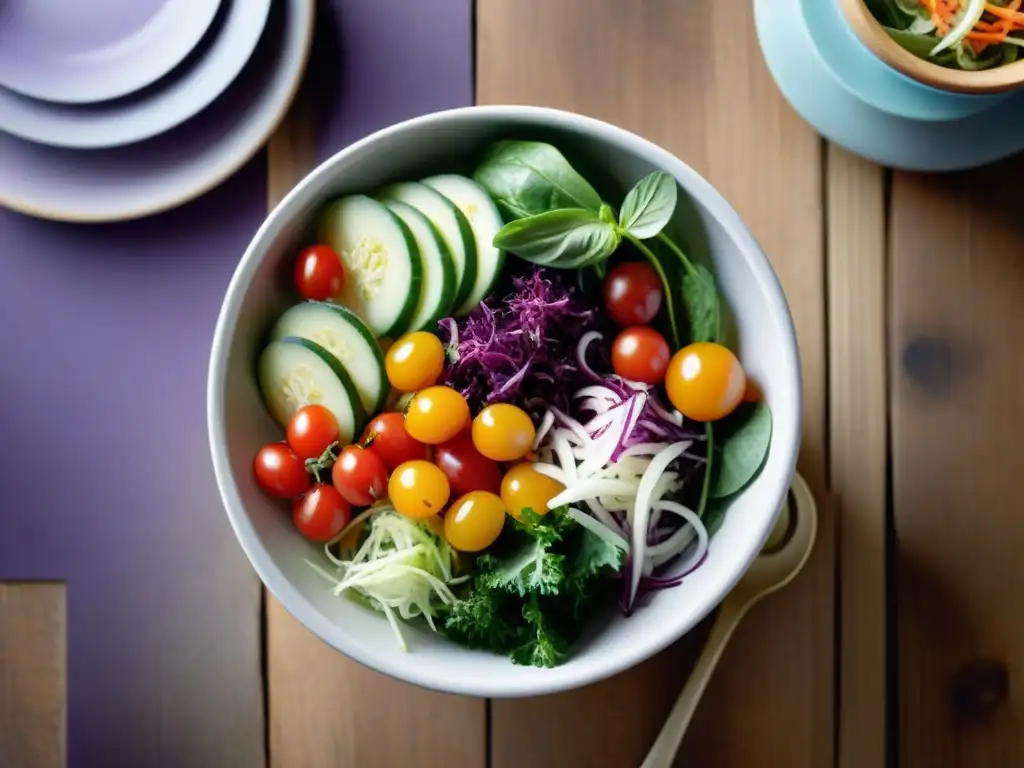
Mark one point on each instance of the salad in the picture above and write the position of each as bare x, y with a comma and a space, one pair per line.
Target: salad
961, 34
507, 406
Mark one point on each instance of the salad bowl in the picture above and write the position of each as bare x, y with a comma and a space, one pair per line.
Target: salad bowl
451, 142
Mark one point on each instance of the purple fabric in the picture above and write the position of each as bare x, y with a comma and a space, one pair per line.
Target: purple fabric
105, 469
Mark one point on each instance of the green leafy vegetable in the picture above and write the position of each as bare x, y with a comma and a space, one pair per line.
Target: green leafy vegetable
701, 301
742, 446
714, 516
921, 45
530, 177
649, 206
567, 238
534, 590
892, 13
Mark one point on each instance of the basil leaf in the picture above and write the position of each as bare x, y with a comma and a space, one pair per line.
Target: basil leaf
649, 205
529, 177
701, 301
742, 445
565, 239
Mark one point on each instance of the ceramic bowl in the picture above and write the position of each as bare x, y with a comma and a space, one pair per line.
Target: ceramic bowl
874, 36
239, 425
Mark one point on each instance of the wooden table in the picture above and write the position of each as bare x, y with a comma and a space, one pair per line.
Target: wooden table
903, 639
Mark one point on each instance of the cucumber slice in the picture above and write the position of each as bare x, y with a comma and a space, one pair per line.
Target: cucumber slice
451, 224
340, 331
485, 221
438, 287
382, 265
297, 372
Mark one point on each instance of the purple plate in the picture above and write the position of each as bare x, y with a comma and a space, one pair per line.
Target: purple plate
165, 171
83, 51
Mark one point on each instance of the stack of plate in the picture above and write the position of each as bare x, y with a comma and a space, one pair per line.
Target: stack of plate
114, 109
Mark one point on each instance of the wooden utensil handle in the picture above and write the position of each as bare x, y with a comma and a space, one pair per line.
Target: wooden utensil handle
663, 751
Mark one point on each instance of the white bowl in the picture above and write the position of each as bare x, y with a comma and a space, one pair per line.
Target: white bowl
239, 425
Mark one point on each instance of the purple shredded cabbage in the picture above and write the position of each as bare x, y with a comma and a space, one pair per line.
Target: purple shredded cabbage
520, 348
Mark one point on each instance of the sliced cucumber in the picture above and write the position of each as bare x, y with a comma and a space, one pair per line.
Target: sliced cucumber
294, 373
381, 262
451, 224
437, 290
485, 221
340, 331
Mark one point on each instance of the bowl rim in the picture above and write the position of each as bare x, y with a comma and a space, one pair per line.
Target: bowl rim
873, 35
567, 677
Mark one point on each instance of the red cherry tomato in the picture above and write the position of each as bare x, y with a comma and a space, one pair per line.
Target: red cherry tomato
311, 430
640, 354
319, 274
280, 472
465, 467
360, 476
321, 514
386, 437
632, 293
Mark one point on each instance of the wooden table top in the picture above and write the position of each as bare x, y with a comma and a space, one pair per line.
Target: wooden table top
901, 639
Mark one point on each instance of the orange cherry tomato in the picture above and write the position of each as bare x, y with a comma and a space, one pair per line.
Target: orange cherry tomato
418, 489
436, 415
474, 521
705, 381
503, 432
523, 487
414, 361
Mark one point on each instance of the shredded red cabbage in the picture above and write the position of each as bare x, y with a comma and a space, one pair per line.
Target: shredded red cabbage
520, 348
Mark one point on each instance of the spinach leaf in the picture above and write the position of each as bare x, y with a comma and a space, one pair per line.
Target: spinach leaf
742, 445
890, 13
701, 301
566, 239
921, 45
529, 177
649, 205
714, 516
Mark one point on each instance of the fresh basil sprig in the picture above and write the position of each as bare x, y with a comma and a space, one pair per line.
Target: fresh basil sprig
567, 238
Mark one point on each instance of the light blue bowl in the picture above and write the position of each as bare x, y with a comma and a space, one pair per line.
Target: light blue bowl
857, 101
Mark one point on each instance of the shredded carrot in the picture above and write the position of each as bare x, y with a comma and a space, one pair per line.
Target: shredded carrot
1007, 19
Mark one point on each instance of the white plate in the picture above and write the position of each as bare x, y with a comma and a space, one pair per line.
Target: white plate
81, 51
151, 176
217, 62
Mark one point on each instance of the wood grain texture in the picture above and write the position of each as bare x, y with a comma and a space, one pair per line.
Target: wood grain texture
957, 283
33, 675
690, 77
324, 709
855, 196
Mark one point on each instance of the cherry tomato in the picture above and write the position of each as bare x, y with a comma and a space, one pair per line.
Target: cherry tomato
705, 381
414, 361
465, 467
321, 514
436, 415
311, 430
360, 476
641, 354
386, 436
418, 489
280, 471
632, 293
503, 432
319, 274
523, 487
474, 521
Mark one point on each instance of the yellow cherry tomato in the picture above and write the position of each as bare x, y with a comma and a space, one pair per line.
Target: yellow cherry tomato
524, 487
474, 521
503, 432
705, 381
436, 415
418, 489
414, 361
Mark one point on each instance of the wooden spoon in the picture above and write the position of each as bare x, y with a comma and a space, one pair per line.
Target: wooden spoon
782, 557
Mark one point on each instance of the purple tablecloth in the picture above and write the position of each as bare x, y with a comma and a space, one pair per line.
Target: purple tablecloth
105, 467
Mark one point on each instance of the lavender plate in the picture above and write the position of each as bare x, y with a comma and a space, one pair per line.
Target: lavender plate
165, 171
82, 51
208, 71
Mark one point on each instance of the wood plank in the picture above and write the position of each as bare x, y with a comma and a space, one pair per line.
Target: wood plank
858, 447
33, 675
325, 709
957, 284
690, 77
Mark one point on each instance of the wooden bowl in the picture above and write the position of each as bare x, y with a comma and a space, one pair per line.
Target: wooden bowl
874, 36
